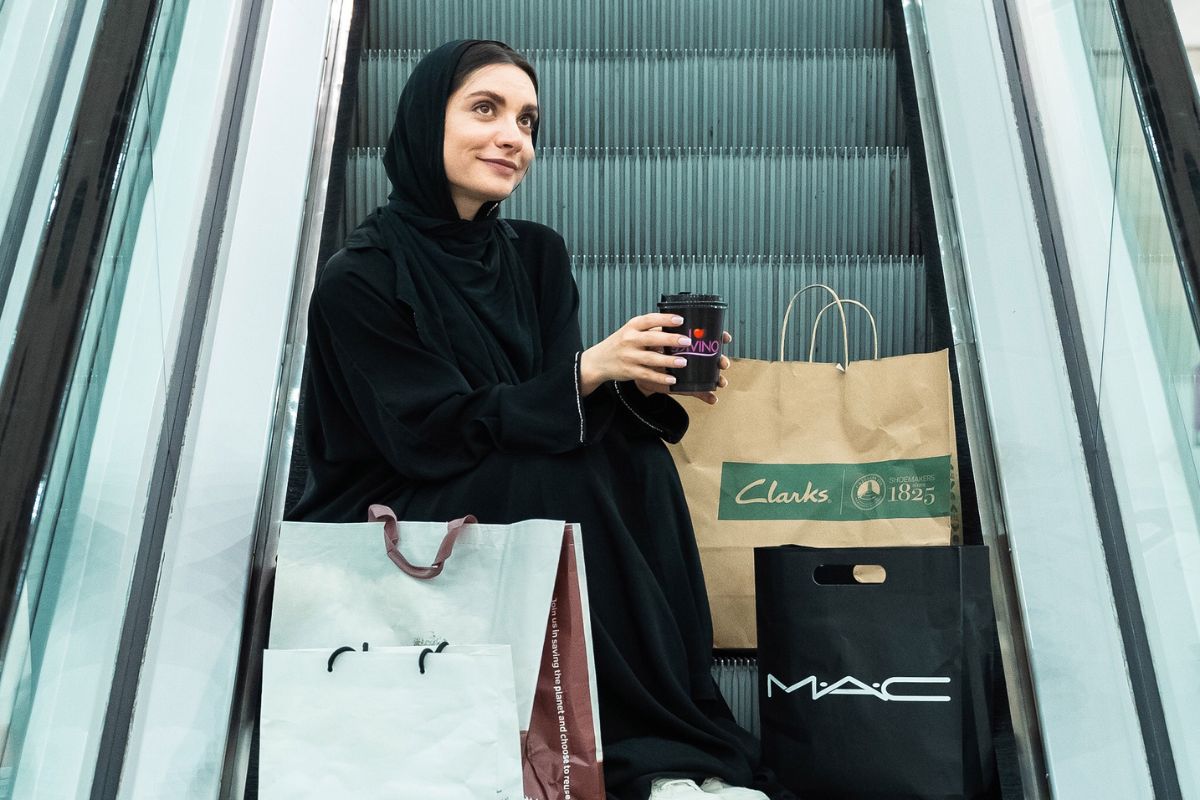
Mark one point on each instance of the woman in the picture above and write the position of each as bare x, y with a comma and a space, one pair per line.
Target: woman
445, 361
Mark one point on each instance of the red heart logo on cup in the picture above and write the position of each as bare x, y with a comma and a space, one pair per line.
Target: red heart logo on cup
697, 333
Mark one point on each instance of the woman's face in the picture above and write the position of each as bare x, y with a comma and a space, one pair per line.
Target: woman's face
488, 145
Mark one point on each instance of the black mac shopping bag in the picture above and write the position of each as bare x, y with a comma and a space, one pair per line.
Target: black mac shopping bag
876, 689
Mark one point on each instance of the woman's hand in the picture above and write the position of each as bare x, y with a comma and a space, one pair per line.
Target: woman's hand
634, 353
708, 397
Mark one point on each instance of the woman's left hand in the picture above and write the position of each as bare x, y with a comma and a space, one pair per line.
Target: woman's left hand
708, 397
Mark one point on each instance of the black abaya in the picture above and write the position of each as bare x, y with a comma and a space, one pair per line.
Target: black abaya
385, 421
443, 380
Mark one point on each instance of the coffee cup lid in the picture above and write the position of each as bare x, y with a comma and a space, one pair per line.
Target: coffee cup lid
690, 299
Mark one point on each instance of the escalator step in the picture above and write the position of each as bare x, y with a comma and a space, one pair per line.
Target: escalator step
627, 24
737, 678
613, 289
806, 98
701, 201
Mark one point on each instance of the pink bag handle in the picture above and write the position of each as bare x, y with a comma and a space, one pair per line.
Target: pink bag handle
391, 540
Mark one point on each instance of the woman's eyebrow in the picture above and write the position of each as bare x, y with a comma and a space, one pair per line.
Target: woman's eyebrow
500, 100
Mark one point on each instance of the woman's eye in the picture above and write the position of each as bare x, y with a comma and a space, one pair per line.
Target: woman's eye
528, 120
488, 106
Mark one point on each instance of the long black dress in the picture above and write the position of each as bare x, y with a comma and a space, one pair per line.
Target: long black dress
443, 380
387, 421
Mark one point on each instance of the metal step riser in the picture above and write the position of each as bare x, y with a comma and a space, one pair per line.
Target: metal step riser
757, 291
810, 99
737, 678
845, 202
627, 24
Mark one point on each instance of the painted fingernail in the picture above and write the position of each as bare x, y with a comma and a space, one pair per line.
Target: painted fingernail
676, 320
681, 362
684, 341
670, 379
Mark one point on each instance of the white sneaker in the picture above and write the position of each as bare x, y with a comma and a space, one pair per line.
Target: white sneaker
715, 787
675, 789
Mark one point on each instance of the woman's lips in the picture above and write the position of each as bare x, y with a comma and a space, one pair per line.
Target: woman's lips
503, 167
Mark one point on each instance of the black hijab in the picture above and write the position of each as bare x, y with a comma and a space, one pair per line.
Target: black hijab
469, 293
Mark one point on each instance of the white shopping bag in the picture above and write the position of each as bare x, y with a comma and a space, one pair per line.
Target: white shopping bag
417, 583
370, 724
336, 583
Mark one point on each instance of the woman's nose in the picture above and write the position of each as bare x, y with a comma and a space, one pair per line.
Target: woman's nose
509, 134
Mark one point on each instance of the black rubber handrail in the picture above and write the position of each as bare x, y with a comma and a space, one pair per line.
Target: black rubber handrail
1169, 110
1165, 92
12, 229
48, 338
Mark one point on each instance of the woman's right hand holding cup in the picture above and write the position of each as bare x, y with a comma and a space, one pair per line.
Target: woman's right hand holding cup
634, 353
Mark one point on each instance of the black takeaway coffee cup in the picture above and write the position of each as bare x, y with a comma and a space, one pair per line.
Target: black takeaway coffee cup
703, 320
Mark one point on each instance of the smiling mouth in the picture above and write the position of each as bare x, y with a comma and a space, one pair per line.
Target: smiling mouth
505, 165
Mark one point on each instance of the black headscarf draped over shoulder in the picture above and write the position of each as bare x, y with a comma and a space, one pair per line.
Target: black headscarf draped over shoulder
469, 293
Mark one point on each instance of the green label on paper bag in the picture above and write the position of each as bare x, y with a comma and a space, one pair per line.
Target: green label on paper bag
904, 489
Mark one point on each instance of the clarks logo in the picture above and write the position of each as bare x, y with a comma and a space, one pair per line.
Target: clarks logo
853, 686
749, 494
902, 489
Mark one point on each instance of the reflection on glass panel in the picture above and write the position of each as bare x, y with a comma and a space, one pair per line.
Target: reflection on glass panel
1141, 338
1155, 457
1157, 473
58, 668
44, 48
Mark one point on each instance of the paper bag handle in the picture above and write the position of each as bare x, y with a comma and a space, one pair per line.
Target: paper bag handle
391, 541
812, 342
841, 310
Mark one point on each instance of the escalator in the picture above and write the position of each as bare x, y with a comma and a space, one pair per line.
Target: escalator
1013, 181
717, 159
725, 156
721, 158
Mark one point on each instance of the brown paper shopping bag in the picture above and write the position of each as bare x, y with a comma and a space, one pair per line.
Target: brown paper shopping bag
798, 452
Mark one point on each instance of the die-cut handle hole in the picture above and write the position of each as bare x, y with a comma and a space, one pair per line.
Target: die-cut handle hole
849, 574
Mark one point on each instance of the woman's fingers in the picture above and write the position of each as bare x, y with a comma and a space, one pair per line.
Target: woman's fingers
666, 361
653, 359
642, 350
654, 339
653, 377
708, 397
660, 363
647, 321
648, 389
656, 361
